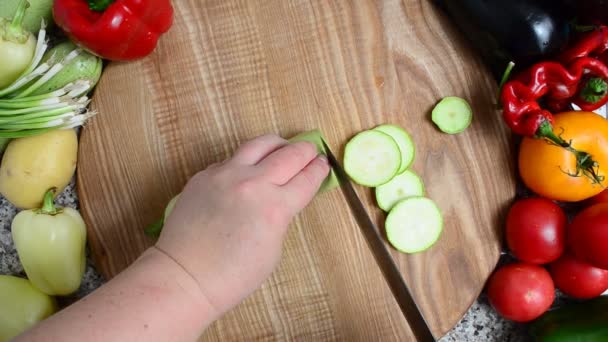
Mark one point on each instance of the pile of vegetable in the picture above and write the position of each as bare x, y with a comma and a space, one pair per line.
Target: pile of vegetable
44, 97
562, 160
552, 253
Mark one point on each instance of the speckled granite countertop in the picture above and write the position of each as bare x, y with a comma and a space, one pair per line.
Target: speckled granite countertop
480, 323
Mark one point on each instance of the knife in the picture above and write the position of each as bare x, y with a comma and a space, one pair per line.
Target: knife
385, 261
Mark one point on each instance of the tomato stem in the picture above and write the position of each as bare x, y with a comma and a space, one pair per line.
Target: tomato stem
585, 164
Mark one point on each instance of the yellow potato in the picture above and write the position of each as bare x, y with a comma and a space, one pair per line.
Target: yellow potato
33, 165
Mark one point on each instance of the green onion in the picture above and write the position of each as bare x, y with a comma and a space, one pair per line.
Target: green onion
23, 114
49, 74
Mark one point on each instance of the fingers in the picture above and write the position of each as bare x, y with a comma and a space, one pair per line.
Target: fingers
301, 189
251, 152
283, 164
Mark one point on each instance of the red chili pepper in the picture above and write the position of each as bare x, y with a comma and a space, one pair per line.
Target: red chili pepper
560, 85
592, 43
115, 29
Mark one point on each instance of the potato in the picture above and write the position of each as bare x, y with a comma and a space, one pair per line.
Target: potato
33, 165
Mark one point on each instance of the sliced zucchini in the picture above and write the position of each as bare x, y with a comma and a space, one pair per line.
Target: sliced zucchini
452, 115
372, 158
404, 185
155, 228
315, 137
414, 224
403, 140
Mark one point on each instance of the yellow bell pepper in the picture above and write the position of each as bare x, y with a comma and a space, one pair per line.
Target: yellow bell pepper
51, 243
21, 306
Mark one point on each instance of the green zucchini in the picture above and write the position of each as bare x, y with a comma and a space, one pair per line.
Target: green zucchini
372, 158
402, 186
414, 224
315, 137
85, 66
403, 140
576, 322
452, 115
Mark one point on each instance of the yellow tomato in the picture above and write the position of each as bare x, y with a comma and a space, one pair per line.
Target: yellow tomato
549, 170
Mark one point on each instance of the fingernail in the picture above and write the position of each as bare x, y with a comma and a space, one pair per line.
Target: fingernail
323, 158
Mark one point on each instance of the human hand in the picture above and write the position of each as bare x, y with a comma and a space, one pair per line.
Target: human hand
229, 223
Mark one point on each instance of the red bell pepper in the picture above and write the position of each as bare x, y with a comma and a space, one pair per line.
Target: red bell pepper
118, 30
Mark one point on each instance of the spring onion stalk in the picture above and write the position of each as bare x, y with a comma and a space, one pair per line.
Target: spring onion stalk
65, 96
23, 114
41, 45
49, 74
38, 111
31, 127
31, 103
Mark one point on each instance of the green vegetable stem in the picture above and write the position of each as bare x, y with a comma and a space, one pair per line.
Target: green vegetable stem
17, 46
51, 92
38, 12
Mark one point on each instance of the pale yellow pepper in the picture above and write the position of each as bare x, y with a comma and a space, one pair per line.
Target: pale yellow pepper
21, 306
51, 243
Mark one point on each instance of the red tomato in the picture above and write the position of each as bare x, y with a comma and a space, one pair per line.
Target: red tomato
602, 197
578, 279
521, 292
536, 230
588, 235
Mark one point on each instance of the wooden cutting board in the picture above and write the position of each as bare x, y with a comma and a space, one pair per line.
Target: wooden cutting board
231, 70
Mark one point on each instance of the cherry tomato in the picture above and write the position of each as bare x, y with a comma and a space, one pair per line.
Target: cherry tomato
521, 292
536, 230
588, 235
578, 279
544, 167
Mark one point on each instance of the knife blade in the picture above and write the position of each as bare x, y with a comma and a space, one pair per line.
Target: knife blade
401, 292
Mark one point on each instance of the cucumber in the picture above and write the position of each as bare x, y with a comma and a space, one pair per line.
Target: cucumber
372, 158
414, 224
452, 115
403, 140
315, 137
404, 185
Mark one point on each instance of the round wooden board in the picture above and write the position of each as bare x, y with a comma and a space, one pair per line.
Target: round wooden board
230, 70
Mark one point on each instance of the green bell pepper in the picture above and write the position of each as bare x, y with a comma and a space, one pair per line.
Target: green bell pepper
21, 306
51, 244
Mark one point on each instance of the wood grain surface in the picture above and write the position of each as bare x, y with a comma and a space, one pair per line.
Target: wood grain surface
230, 70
